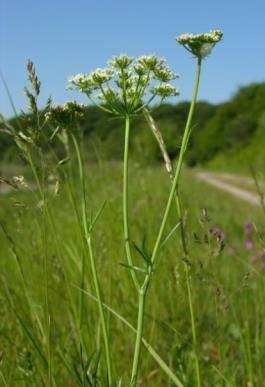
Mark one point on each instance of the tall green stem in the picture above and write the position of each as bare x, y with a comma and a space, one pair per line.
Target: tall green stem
193, 329
184, 143
100, 307
125, 202
139, 336
144, 288
188, 285
41, 189
87, 235
167, 161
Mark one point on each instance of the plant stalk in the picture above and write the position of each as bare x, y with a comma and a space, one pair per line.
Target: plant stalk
41, 189
188, 285
125, 203
175, 181
139, 336
87, 235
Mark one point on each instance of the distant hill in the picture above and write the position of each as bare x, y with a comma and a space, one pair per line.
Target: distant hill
237, 129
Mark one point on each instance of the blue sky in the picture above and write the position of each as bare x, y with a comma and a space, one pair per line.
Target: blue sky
65, 37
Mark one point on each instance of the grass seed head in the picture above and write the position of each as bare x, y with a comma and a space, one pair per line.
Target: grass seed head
32, 77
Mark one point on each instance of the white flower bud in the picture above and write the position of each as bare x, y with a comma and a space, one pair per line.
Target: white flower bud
206, 49
200, 45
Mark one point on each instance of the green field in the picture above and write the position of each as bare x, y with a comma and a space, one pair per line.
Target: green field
227, 288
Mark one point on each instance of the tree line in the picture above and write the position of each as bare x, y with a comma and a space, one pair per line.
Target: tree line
226, 128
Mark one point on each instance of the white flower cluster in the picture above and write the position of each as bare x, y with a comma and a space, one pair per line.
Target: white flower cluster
151, 62
65, 114
100, 76
208, 37
164, 74
89, 82
81, 82
165, 90
124, 86
200, 45
120, 61
72, 105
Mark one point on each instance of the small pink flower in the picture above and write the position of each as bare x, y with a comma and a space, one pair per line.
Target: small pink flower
249, 245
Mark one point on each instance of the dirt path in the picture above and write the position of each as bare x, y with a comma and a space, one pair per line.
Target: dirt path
216, 181
4, 188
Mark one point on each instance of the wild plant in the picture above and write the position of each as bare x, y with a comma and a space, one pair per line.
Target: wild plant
200, 46
132, 81
34, 134
39, 150
125, 88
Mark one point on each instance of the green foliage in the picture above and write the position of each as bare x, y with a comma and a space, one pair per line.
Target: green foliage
234, 124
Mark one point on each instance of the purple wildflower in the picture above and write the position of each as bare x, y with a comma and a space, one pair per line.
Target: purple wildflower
248, 230
249, 245
218, 234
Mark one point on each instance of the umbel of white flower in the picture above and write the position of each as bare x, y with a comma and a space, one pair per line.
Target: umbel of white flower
200, 45
127, 85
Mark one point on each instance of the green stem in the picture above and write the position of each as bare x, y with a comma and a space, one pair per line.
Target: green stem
185, 140
87, 235
144, 288
125, 203
188, 284
182, 227
193, 329
100, 307
41, 189
139, 336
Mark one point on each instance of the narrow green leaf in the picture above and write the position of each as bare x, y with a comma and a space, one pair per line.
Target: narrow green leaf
74, 374
64, 161
94, 221
92, 366
31, 338
143, 254
169, 235
3, 379
135, 268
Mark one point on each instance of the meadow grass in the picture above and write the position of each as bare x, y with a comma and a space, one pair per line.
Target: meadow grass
227, 289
